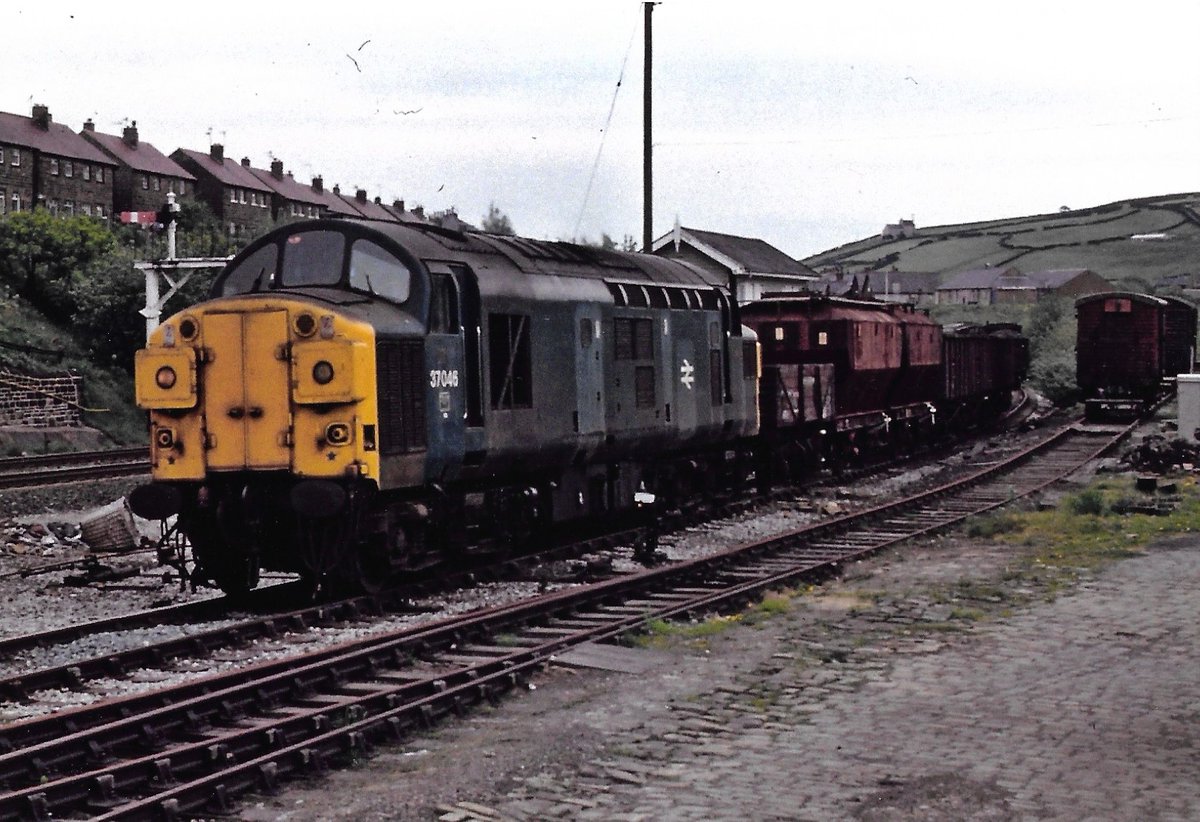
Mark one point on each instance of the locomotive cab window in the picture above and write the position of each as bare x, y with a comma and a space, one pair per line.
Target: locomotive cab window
1118, 306
312, 258
253, 273
377, 271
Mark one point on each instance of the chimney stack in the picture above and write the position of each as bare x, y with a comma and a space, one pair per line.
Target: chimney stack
245, 162
318, 185
277, 169
131, 136
217, 152
88, 125
398, 205
41, 116
361, 195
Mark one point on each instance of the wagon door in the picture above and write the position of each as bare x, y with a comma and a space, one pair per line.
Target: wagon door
247, 387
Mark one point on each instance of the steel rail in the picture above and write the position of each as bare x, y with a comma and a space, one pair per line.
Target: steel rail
333, 687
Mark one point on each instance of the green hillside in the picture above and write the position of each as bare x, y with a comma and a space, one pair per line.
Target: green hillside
1099, 238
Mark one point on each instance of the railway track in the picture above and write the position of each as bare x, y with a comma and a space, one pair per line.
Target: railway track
78, 466
194, 747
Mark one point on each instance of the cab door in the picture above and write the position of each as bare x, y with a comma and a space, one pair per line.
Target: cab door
247, 386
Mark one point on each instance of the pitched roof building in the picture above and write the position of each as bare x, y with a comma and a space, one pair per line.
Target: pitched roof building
43, 163
144, 175
239, 199
753, 266
291, 200
987, 286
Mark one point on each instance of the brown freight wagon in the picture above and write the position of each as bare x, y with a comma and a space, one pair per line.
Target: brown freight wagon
1129, 349
984, 364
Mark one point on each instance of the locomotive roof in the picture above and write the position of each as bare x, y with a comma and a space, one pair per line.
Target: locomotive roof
541, 257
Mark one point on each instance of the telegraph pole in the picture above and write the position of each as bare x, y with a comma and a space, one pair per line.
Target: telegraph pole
647, 146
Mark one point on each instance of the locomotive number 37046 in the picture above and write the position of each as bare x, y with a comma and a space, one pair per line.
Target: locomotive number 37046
443, 379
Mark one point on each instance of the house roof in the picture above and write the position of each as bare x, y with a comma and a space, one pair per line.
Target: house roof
897, 282
367, 207
1057, 277
55, 139
286, 187
977, 278
751, 255
227, 172
141, 157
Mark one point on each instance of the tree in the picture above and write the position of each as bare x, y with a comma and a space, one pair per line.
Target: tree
42, 256
497, 222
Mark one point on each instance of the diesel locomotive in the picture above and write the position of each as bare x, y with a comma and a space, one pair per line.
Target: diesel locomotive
360, 397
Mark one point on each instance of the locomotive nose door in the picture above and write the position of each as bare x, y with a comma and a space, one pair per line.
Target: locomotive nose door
246, 391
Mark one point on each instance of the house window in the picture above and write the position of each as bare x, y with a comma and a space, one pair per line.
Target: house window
1, 155
242, 195
54, 165
158, 184
822, 338
16, 159
87, 210
510, 365
233, 195
99, 174
99, 210
3, 202
52, 206
69, 170
145, 183
69, 207
16, 201
86, 171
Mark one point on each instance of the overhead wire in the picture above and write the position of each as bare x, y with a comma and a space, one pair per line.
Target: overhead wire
607, 122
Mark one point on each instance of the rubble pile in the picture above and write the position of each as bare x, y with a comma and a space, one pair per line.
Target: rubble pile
1159, 454
39, 539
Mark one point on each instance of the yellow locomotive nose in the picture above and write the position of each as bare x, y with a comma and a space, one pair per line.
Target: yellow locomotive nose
246, 384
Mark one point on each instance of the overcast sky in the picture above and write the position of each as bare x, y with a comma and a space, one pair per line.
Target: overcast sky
807, 125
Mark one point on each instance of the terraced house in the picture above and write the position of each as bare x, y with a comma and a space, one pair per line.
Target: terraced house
241, 201
47, 165
144, 175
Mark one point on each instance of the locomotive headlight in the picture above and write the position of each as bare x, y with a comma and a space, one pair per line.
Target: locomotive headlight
322, 372
305, 325
165, 378
188, 328
337, 433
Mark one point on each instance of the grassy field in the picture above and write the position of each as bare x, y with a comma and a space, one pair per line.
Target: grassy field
1098, 238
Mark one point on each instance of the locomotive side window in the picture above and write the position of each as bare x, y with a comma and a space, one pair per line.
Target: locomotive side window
443, 305
253, 273
377, 270
313, 258
509, 363
633, 338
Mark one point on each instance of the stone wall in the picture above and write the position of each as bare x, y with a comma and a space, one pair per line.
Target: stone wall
41, 402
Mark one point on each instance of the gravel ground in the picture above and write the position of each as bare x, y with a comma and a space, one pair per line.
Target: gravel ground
45, 600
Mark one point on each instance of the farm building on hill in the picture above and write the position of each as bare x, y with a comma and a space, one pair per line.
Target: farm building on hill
752, 266
899, 231
989, 286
